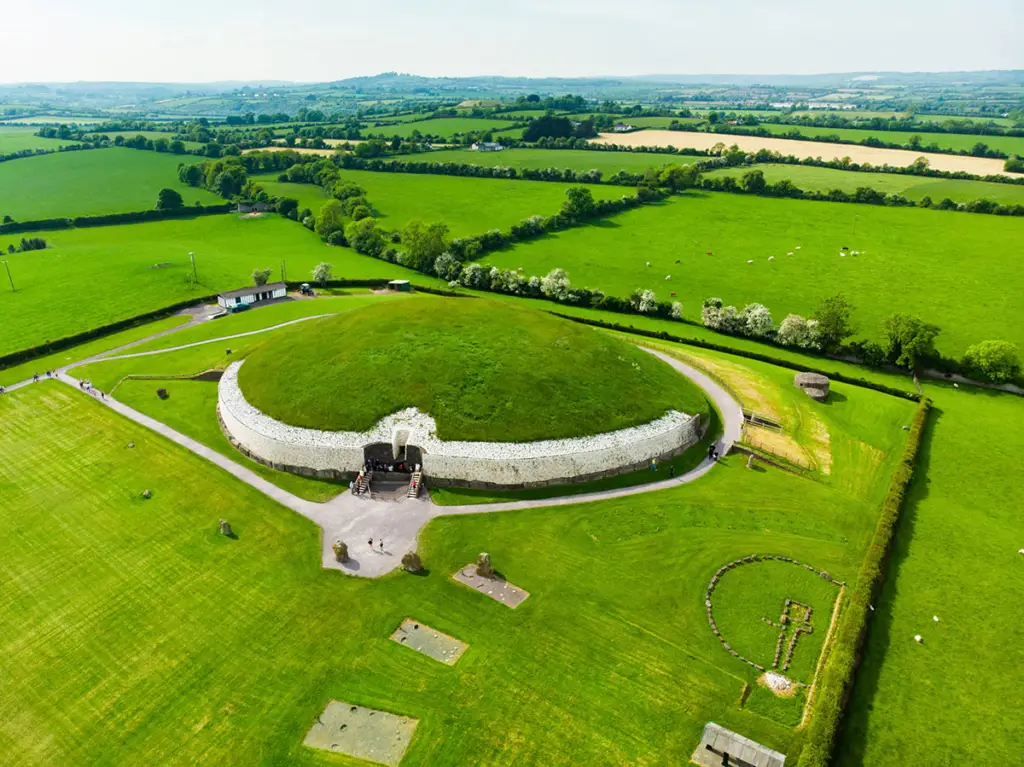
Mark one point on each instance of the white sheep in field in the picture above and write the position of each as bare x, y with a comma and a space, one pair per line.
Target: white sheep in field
790, 253
750, 261
797, 247
668, 276
771, 258
648, 263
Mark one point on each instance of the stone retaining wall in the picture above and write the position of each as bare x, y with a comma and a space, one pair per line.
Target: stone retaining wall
473, 464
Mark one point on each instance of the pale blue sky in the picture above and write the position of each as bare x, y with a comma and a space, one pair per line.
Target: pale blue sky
318, 40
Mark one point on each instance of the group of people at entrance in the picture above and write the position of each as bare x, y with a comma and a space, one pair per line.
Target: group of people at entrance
401, 467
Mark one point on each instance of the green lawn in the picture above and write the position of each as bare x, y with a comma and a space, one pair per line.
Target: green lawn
485, 371
15, 138
954, 697
609, 163
91, 183
443, 127
111, 273
191, 408
956, 141
53, 361
468, 205
913, 260
812, 179
166, 643
751, 592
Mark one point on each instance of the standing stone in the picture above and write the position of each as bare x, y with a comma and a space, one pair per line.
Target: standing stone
483, 565
225, 528
340, 551
750, 461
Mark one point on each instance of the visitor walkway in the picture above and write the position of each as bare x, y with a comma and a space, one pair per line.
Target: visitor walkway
356, 519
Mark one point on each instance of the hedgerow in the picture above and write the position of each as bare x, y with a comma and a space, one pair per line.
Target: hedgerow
840, 668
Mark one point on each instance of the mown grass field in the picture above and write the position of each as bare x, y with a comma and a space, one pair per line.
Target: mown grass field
952, 698
468, 205
14, 138
186, 640
26, 370
811, 179
110, 273
90, 183
485, 371
445, 127
956, 141
952, 269
609, 163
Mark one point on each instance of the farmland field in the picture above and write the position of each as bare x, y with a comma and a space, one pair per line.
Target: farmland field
955, 557
114, 272
609, 163
173, 571
15, 138
981, 166
909, 263
444, 127
468, 205
90, 183
956, 141
659, 122
810, 178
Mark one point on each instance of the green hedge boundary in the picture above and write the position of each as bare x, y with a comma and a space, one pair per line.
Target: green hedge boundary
838, 676
141, 216
664, 336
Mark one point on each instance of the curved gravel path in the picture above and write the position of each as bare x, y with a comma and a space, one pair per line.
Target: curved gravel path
356, 519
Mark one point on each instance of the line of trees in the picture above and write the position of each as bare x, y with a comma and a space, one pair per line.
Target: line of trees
907, 341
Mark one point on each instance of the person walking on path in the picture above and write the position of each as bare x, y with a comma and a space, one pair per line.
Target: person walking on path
381, 545
370, 543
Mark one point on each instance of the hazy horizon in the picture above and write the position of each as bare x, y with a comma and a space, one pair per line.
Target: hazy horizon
195, 43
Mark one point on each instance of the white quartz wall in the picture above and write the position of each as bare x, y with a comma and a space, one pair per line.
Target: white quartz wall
501, 463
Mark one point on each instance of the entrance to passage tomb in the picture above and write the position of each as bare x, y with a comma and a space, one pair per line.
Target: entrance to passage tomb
392, 470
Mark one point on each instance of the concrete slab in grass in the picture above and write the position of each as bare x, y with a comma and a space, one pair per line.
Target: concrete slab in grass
430, 642
495, 588
376, 736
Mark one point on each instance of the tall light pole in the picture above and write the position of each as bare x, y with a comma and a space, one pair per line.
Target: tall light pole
13, 289
195, 277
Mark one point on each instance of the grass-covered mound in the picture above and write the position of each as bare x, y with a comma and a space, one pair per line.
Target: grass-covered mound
483, 370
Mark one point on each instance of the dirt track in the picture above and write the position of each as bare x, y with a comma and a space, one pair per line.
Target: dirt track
982, 166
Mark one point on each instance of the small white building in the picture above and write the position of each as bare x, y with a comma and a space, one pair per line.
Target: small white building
487, 146
622, 127
253, 294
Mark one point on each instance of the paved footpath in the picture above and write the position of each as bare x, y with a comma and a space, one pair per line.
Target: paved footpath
357, 519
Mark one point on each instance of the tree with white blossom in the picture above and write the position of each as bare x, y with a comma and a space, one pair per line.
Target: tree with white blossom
757, 321
556, 284
677, 311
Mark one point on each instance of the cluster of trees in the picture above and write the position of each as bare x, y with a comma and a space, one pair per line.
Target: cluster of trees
907, 341
225, 176
32, 243
552, 127
1014, 164
169, 199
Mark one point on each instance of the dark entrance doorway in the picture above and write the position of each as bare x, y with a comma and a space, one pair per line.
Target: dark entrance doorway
380, 457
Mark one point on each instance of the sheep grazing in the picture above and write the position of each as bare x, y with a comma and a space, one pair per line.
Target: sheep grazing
797, 248
668, 276
918, 639
771, 258
648, 263
790, 253
935, 618
750, 261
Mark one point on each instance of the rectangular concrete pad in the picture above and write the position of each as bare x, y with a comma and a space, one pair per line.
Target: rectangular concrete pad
364, 733
428, 641
502, 591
